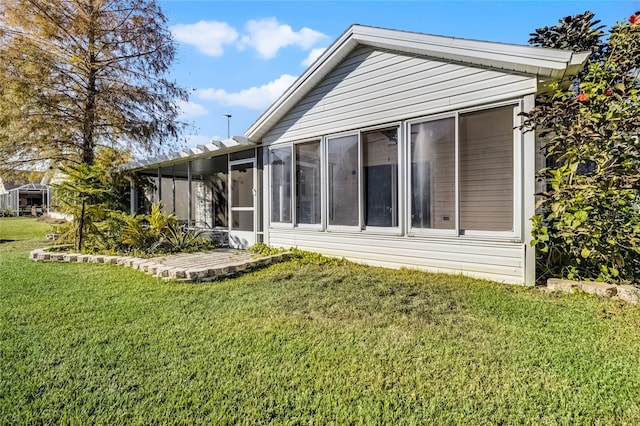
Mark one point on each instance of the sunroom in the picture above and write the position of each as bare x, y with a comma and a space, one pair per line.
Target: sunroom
405, 149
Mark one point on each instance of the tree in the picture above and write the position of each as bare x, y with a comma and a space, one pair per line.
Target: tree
77, 74
580, 33
588, 225
90, 193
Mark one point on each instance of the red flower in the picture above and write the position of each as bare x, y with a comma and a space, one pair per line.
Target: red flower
582, 97
633, 19
608, 92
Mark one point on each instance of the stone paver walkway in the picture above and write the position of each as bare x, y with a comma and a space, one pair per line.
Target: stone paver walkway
194, 267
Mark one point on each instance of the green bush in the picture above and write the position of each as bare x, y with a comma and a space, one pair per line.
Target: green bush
588, 223
155, 233
261, 249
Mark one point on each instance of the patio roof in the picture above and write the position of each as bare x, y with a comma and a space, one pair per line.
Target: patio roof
30, 187
177, 160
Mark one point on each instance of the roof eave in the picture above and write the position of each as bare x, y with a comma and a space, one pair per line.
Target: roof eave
541, 62
316, 71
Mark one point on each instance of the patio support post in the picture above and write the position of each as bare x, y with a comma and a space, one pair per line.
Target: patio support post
133, 197
529, 202
189, 195
159, 186
173, 189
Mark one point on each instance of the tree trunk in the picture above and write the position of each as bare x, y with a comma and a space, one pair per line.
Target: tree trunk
88, 125
89, 119
81, 225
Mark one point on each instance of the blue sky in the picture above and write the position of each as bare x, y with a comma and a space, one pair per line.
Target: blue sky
237, 57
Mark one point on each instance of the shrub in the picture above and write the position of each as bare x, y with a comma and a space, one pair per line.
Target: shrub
588, 225
155, 233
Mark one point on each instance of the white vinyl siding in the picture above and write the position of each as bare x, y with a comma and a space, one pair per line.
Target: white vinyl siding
500, 261
371, 87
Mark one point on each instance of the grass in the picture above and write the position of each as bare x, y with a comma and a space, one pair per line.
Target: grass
304, 342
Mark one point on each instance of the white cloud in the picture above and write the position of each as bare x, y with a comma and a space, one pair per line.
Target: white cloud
267, 36
313, 55
191, 110
208, 36
253, 97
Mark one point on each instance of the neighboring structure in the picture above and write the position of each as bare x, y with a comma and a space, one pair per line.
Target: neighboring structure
30, 199
393, 149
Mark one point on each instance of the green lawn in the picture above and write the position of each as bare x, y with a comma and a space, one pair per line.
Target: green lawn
303, 342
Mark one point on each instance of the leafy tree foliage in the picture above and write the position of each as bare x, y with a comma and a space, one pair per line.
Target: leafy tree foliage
80, 195
580, 33
89, 193
588, 226
77, 74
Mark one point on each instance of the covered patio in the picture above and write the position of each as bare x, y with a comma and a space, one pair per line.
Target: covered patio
32, 199
213, 188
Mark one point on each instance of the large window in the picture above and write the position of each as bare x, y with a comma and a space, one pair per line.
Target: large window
281, 185
308, 193
486, 170
380, 165
433, 180
458, 179
343, 179
484, 190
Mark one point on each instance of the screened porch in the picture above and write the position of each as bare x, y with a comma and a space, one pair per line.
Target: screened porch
212, 188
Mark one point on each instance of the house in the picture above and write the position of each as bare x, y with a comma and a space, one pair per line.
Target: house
24, 199
393, 148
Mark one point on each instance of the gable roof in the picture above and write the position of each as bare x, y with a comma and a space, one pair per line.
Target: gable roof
544, 63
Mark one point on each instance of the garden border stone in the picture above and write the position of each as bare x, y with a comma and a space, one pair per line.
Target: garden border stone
625, 293
185, 271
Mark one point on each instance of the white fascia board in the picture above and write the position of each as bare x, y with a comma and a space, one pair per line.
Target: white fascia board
541, 62
331, 57
488, 59
512, 57
213, 148
442, 43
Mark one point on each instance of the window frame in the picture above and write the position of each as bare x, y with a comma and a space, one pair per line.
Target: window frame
395, 230
404, 180
309, 226
273, 224
414, 231
341, 228
516, 167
